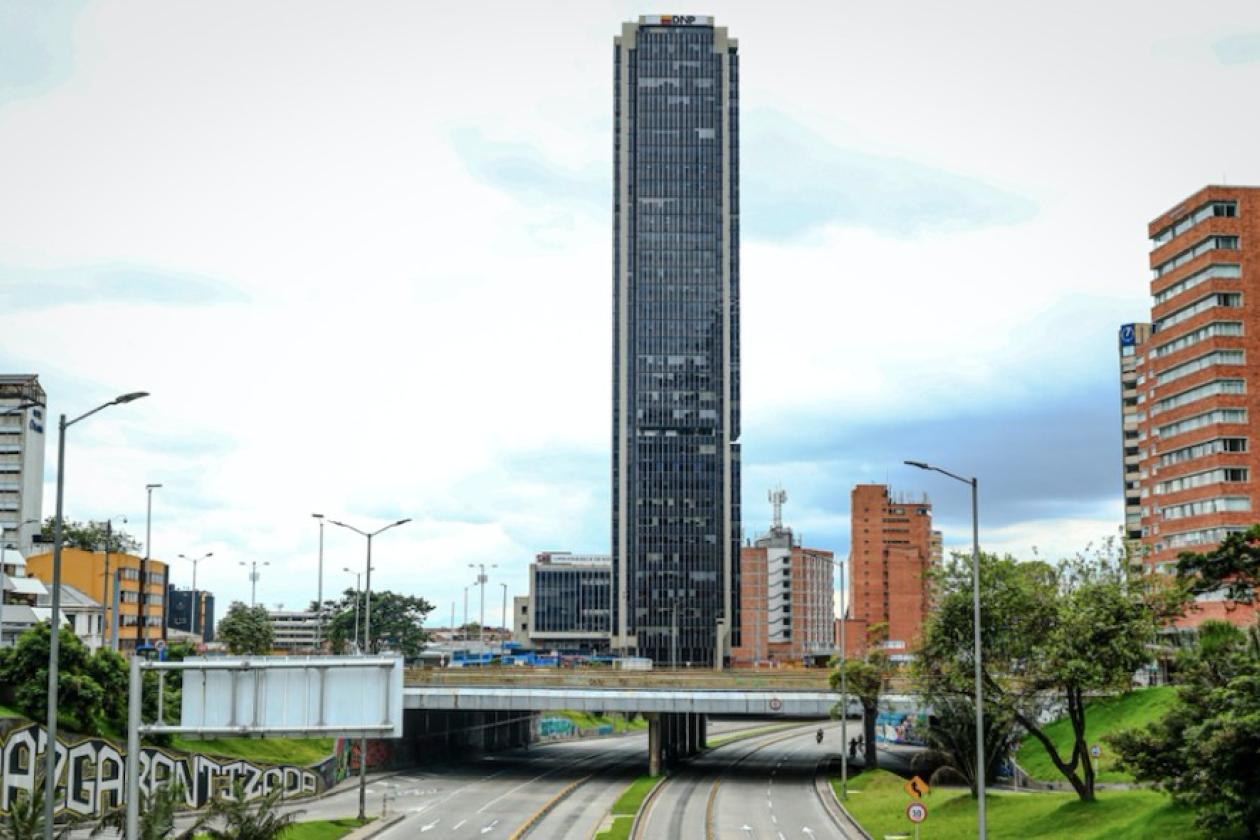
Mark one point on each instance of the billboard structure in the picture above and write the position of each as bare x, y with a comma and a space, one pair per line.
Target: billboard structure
349, 696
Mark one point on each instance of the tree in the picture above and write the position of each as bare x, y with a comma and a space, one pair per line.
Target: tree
243, 820
90, 536
157, 816
1051, 636
246, 630
1233, 567
1203, 751
951, 739
397, 622
867, 679
24, 679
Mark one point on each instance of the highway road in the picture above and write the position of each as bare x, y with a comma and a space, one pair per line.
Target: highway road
766, 784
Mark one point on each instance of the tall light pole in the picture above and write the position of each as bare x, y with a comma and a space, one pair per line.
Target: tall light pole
143, 614
54, 620
975, 585
481, 579
466, 588
358, 578
108, 586
319, 588
195, 625
503, 615
367, 642
844, 688
253, 577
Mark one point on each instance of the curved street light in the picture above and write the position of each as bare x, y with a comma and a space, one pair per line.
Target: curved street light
975, 585
54, 623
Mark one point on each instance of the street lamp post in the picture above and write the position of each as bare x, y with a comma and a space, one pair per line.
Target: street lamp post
253, 577
54, 620
975, 584
481, 579
106, 589
142, 616
319, 588
195, 625
358, 578
503, 615
367, 643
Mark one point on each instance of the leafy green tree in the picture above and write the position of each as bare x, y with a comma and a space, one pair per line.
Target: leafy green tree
867, 680
1203, 751
24, 679
951, 738
397, 622
157, 816
246, 630
1233, 567
90, 536
1052, 635
257, 820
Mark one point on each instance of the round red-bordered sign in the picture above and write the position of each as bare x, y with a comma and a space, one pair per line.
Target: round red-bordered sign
775, 704
916, 812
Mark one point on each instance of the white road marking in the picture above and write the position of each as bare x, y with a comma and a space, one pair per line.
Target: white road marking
808, 831
430, 826
774, 819
489, 827
457, 825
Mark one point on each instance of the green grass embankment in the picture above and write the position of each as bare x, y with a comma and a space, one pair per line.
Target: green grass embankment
1102, 717
627, 806
323, 829
877, 801
586, 720
297, 751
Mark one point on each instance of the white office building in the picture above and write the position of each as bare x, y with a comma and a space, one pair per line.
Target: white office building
22, 436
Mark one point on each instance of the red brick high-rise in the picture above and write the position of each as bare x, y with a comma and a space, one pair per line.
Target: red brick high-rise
1195, 384
892, 550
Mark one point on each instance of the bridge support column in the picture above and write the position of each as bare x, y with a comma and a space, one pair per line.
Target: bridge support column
702, 732
654, 744
693, 734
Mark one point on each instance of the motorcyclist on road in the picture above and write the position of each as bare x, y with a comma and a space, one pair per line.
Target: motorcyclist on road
819, 736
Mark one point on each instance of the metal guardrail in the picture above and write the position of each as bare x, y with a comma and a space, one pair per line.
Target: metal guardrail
600, 678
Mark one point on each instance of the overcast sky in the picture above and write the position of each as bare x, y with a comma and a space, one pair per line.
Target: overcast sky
360, 255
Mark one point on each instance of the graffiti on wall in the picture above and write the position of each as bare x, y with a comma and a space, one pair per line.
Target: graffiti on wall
91, 772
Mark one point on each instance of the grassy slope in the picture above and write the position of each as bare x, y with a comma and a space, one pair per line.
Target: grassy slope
586, 720
1117, 815
1111, 714
299, 751
322, 829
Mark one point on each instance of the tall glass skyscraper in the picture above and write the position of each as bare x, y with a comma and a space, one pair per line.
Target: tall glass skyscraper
675, 470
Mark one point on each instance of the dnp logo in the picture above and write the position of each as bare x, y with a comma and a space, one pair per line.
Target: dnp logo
678, 20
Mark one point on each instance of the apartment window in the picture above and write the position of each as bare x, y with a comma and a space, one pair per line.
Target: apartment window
1203, 536
1202, 507
1227, 271
1220, 475
1218, 357
1211, 243
1230, 300
1198, 421
1201, 450
1213, 209
1208, 389
1212, 330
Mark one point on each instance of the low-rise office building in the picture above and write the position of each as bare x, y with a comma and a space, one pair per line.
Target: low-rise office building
570, 601
190, 611
295, 631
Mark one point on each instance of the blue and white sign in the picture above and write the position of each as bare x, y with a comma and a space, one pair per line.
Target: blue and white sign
1128, 335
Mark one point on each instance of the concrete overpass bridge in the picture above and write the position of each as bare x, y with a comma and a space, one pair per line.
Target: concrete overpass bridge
677, 704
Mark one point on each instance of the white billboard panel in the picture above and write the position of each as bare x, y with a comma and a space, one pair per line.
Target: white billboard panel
280, 695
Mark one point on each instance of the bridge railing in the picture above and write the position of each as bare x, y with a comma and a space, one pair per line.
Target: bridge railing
780, 680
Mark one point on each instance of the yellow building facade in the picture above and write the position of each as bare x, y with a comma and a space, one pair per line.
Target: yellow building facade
86, 571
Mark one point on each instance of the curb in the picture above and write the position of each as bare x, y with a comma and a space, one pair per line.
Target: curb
831, 803
546, 809
645, 806
375, 827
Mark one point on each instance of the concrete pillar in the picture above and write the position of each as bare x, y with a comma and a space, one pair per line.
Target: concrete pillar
703, 732
654, 744
693, 734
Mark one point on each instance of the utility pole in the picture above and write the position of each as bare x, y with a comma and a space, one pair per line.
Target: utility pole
481, 579
319, 588
142, 615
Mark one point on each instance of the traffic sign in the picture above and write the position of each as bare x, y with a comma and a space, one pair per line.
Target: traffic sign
917, 788
916, 812
1095, 751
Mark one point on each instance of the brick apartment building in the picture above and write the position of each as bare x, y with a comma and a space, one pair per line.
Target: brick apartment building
893, 546
787, 599
1189, 386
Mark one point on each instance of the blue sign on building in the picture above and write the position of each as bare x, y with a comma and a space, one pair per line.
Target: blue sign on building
1128, 335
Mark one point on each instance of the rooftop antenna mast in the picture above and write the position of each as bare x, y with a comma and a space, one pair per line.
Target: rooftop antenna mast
778, 496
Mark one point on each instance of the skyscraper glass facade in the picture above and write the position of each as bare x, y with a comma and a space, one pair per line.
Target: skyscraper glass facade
676, 515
